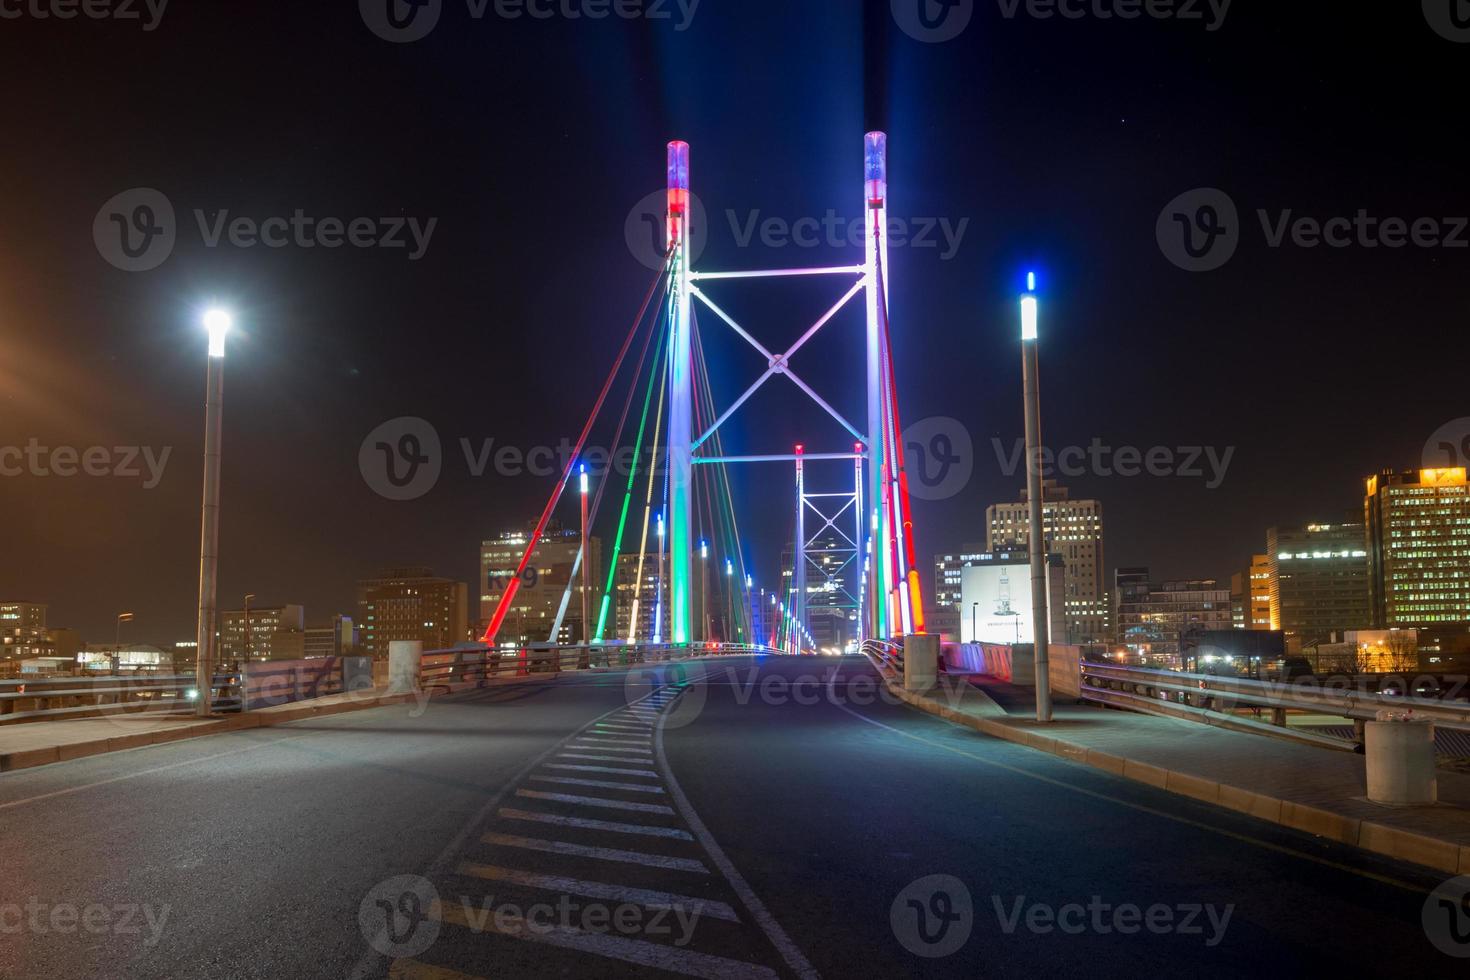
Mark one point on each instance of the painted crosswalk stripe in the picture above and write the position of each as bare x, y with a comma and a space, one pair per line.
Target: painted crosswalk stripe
623, 729
609, 738
533, 794
584, 823
607, 747
587, 756
636, 951
598, 783
648, 898
612, 769
599, 853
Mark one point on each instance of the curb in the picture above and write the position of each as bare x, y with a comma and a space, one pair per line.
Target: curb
1381, 839
263, 718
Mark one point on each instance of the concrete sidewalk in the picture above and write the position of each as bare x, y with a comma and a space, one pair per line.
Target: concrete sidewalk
43, 742
1312, 789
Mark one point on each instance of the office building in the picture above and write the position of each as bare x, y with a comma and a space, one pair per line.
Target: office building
1318, 581
651, 602
1158, 622
1418, 543
264, 633
411, 603
1074, 530
339, 638
1250, 595
543, 590
23, 631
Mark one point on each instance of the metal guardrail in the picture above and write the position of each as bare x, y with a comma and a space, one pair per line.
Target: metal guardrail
37, 699
475, 665
1199, 695
886, 655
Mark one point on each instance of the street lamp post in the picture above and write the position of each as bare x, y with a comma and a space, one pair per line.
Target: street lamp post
704, 586
586, 570
1030, 369
217, 322
116, 658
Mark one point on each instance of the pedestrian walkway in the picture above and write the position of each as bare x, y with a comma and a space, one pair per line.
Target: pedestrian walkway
1317, 790
40, 743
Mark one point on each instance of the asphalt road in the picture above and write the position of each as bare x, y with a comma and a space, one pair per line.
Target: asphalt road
739, 818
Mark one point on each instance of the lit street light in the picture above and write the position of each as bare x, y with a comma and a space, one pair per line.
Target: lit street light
218, 323
1030, 370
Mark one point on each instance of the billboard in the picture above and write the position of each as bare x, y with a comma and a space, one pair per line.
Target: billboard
995, 603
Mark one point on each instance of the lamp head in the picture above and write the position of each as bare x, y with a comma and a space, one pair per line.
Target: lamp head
218, 322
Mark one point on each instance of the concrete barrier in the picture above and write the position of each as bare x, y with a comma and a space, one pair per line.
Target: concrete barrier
920, 662
1400, 757
404, 659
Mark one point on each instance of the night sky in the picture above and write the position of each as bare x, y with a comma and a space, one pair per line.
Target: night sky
1055, 145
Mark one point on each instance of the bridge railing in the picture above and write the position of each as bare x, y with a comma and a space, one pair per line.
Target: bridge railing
475, 665
1199, 695
26, 699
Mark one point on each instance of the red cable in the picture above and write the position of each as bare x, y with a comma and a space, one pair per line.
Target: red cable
515, 582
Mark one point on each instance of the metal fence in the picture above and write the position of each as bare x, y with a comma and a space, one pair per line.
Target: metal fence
1256, 704
39, 699
472, 666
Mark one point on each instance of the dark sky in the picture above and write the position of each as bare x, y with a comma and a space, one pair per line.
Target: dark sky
1056, 142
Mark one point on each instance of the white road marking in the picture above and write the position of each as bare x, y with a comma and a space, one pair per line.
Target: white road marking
612, 769
599, 853
788, 949
599, 784
636, 951
607, 738
532, 794
596, 889
585, 745
598, 758
585, 823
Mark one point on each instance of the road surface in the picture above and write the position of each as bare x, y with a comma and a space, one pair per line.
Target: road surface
740, 817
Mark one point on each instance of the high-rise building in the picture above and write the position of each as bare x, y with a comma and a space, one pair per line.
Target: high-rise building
1318, 581
339, 638
1250, 595
410, 603
543, 587
1157, 621
651, 601
1074, 530
1418, 545
264, 633
23, 631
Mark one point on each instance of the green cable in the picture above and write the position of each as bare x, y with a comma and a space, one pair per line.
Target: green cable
612, 569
